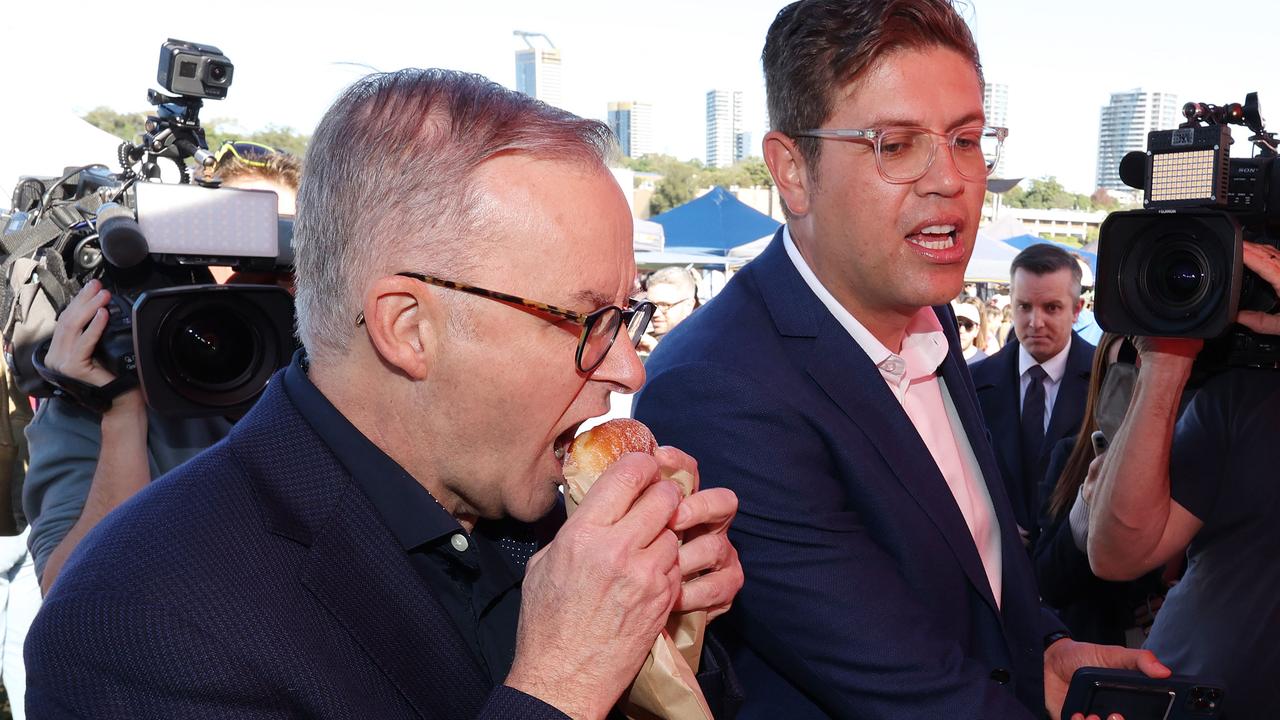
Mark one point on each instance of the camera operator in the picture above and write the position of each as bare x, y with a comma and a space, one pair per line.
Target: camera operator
83, 465
1208, 479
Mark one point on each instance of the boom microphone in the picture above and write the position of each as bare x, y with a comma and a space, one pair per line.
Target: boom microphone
1133, 169
122, 241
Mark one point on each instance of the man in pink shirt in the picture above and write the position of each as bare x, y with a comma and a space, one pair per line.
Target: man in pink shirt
885, 576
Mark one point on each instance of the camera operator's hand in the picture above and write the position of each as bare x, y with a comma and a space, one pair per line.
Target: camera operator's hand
76, 334
122, 468
1265, 261
1176, 353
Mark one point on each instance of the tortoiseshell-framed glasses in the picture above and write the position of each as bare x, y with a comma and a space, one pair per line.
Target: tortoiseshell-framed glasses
599, 328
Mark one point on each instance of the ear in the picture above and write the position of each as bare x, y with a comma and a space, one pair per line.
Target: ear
404, 321
789, 171
1075, 311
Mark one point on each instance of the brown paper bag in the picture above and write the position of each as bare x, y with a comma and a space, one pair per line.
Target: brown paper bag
667, 686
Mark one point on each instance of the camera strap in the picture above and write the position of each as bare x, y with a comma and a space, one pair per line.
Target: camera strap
92, 397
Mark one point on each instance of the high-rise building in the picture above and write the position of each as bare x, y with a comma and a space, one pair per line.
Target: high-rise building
632, 123
538, 69
1126, 120
995, 105
724, 127
742, 148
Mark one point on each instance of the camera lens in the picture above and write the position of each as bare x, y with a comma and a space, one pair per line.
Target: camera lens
214, 347
217, 72
1176, 276
1179, 276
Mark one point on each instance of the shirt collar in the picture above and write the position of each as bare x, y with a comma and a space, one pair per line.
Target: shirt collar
924, 346
410, 512
1055, 367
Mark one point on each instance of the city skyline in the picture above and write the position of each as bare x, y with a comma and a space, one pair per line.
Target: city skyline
632, 123
1060, 61
538, 69
724, 128
1123, 126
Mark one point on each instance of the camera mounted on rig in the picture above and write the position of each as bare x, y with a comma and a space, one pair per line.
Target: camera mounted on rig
194, 347
1175, 268
192, 72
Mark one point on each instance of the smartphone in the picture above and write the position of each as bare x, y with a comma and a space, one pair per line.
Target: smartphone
1100, 442
1102, 691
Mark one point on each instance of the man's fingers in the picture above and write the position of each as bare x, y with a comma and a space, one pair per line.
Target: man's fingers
1151, 666
706, 552
1263, 260
1128, 659
711, 592
80, 310
673, 460
617, 489
83, 345
1260, 322
651, 514
713, 507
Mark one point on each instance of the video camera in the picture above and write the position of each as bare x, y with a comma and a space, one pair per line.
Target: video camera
194, 347
1175, 268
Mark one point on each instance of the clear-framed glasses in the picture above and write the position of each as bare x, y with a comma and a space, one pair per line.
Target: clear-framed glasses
904, 154
599, 327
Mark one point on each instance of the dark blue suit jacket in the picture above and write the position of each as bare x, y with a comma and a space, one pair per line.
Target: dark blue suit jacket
997, 383
256, 581
865, 596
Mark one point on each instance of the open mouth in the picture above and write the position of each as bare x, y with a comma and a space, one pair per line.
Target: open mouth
563, 440
935, 237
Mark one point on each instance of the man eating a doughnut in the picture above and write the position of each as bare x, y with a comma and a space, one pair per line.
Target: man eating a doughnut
825, 386
382, 535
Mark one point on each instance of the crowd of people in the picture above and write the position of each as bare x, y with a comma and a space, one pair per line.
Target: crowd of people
904, 501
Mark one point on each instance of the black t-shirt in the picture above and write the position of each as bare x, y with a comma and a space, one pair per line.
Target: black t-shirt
1223, 619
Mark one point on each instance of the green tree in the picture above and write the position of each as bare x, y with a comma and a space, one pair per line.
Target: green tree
674, 189
126, 126
758, 172
276, 136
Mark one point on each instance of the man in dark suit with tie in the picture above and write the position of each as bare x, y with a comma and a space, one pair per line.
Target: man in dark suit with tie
825, 385
381, 536
1033, 391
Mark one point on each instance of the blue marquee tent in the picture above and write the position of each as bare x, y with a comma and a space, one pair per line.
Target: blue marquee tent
1022, 242
713, 224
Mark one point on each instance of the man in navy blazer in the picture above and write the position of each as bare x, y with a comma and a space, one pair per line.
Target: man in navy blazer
382, 536
1026, 421
825, 386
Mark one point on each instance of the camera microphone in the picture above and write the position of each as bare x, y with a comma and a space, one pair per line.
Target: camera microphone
1133, 169
122, 241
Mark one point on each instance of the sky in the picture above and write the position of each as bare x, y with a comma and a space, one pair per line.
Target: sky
1060, 59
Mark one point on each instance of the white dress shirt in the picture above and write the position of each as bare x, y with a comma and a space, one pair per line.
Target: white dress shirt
1054, 368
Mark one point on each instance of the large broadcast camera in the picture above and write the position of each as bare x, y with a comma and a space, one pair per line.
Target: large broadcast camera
1175, 268
195, 347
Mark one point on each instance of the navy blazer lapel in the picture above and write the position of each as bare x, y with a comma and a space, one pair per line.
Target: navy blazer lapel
955, 373
1005, 421
846, 374
358, 571
855, 385
1068, 406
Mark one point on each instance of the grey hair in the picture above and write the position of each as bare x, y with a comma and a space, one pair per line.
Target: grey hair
675, 275
389, 184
